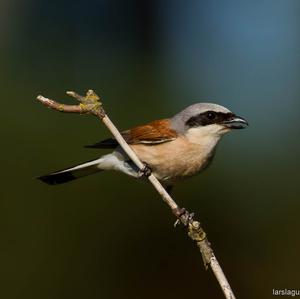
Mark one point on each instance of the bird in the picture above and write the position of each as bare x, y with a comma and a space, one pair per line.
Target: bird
172, 149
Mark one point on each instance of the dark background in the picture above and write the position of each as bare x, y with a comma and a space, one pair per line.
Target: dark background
109, 236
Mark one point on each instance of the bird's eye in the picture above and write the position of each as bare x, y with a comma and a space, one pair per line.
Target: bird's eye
211, 115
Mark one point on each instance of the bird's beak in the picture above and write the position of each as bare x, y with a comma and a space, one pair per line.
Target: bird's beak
235, 122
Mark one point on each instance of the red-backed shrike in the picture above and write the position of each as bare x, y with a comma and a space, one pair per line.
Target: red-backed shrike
174, 148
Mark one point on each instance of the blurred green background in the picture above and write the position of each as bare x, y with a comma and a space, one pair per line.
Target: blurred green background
107, 235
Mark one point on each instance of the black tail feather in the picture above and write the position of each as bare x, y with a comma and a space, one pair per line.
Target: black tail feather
72, 173
57, 178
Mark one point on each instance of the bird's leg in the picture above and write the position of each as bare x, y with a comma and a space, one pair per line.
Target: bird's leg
145, 172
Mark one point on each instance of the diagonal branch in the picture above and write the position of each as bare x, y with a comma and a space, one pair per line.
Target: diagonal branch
91, 104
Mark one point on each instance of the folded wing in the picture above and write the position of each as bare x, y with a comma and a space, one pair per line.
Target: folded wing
155, 132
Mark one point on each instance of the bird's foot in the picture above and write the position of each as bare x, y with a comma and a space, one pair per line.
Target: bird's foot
145, 172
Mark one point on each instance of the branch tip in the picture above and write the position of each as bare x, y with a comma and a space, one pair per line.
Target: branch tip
40, 98
75, 95
70, 93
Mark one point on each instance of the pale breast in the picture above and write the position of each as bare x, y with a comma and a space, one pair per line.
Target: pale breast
175, 159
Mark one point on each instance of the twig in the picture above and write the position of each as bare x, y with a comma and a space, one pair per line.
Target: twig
91, 104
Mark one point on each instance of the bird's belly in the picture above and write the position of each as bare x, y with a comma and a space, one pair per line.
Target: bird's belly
170, 162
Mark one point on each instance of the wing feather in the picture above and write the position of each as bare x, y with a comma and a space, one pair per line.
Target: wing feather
155, 132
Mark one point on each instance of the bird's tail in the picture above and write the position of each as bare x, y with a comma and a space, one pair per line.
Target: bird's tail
72, 173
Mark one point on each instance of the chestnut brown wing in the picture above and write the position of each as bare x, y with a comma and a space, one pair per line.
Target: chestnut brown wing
156, 132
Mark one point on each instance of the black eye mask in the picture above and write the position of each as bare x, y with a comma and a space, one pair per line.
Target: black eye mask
208, 118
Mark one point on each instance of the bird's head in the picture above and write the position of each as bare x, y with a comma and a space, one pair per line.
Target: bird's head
206, 120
